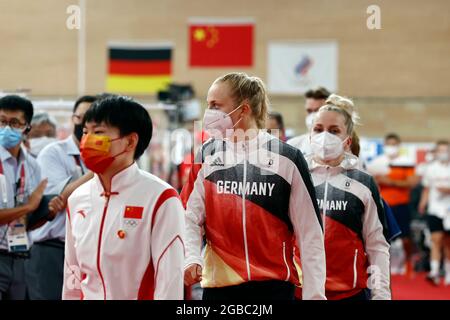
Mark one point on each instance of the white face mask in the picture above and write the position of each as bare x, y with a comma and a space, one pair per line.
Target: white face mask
216, 123
391, 151
309, 120
37, 144
327, 146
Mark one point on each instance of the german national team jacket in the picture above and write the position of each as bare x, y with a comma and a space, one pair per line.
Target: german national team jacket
251, 198
126, 244
355, 229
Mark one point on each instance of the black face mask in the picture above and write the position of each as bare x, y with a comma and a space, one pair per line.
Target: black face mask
78, 131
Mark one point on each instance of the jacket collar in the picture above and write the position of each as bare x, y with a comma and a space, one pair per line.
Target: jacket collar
5, 155
349, 162
120, 181
71, 147
252, 144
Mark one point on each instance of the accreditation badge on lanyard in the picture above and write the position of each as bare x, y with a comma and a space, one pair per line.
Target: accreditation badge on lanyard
17, 230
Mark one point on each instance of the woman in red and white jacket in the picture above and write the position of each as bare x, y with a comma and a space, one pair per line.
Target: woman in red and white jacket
125, 227
356, 246
250, 193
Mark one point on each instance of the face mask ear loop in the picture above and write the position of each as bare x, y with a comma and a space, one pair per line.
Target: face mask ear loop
234, 110
237, 123
343, 141
239, 118
120, 153
115, 139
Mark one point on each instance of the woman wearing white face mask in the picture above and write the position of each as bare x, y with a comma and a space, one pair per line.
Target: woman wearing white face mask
436, 194
354, 219
42, 133
250, 193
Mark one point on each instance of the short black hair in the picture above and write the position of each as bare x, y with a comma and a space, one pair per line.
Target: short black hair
125, 114
104, 95
319, 93
17, 103
278, 118
80, 100
394, 136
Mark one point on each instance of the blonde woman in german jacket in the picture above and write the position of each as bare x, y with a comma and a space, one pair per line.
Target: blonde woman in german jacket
356, 246
249, 194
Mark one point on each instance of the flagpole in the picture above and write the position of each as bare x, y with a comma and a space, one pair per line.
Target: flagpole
82, 49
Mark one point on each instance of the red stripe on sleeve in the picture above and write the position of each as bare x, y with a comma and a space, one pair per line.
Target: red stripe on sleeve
147, 287
167, 194
189, 186
68, 214
165, 250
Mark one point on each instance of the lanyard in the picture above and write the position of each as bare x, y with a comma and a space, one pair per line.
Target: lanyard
3, 187
78, 162
20, 191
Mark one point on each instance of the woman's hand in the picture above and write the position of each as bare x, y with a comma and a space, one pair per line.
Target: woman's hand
192, 274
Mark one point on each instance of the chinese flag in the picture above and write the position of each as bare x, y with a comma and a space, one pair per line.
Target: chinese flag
221, 44
133, 212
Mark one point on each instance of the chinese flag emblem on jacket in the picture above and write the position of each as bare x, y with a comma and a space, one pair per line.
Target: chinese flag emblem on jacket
216, 43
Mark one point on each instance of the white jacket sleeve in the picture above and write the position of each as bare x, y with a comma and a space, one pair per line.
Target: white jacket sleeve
377, 247
72, 273
307, 224
195, 218
167, 247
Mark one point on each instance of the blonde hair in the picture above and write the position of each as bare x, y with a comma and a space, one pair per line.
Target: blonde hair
355, 148
343, 106
252, 89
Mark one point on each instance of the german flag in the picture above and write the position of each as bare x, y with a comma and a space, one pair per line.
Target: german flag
139, 69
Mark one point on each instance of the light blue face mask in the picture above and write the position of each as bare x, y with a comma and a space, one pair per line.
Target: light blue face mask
9, 137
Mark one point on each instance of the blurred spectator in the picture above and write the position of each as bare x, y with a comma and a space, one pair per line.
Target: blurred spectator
59, 162
396, 177
275, 125
421, 235
21, 193
436, 193
42, 133
315, 98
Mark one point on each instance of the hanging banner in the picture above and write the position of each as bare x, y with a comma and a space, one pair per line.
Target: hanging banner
296, 67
